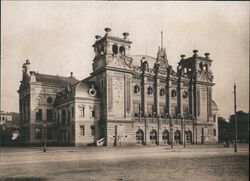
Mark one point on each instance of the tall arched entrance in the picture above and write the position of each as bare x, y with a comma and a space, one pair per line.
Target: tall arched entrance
165, 137
153, 136
139, 136
177, 137
189, 137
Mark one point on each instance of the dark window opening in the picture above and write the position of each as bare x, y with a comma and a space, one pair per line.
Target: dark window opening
39, 114
82, 130
93, 113
63, 117
150, 90
173, 93
162, 92
49, 133
115, 49
122, 50
38, 133
49, 115
136, 89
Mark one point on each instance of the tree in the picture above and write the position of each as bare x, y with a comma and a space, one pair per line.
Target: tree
223, 130
242, 126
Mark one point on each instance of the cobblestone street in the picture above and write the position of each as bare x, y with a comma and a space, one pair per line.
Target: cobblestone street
195, 162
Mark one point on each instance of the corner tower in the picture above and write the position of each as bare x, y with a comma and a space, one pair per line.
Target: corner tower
112, 72
196, 70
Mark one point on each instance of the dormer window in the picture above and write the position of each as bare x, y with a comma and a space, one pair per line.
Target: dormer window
115, 49
122, 50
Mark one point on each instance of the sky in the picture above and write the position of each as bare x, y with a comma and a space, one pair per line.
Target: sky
57, 38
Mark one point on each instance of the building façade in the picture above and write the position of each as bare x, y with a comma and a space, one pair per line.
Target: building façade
126, 100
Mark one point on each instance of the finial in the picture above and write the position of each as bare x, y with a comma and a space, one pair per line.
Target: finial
183, 56
125, 35
97, 37
207, 55
195, 52
161, 39
27, 61
107, 30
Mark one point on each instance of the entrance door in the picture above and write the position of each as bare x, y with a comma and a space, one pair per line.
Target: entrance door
139, 136
153, 136
177, 137
189, 137
165, 136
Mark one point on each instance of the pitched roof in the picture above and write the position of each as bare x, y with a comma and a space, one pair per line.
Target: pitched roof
54, 79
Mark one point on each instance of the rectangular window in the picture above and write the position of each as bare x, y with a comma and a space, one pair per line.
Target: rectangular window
92, 127
38, 133
214, 118
136, 108
214, 132
82, 130
93, 113
49, 133
49, 115
39, 114
72, 112
82, 111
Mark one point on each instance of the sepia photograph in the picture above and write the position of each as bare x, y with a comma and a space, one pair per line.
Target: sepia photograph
124, 90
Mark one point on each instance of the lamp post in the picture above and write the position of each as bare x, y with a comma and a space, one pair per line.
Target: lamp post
44, 136
171, 131
235, 116
184, 132
145, 121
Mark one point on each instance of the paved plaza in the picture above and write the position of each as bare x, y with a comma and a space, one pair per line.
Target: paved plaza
195, 162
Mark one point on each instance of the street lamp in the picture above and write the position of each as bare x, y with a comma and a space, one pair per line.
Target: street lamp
44, 136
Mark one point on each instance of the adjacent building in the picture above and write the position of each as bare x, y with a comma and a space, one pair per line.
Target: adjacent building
126, 100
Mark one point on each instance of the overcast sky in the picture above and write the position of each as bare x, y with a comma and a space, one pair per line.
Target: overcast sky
57, 38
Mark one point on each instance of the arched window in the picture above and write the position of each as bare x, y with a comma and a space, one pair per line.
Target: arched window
139, 136
122, 50
153, 136
201, 66
205, 67
173, 93
102, 50
165, 136
136, 89
177, 136
150, 90
185, 70
115, 49
162, 92
63, 118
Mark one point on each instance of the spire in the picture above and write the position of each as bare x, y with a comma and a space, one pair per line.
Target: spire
161, 40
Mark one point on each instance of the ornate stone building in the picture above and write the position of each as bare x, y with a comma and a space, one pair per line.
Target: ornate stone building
126, 100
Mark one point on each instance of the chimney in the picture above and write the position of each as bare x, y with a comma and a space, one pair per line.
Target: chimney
207, 55
107, 30
195, 53
125, 35
71, 74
